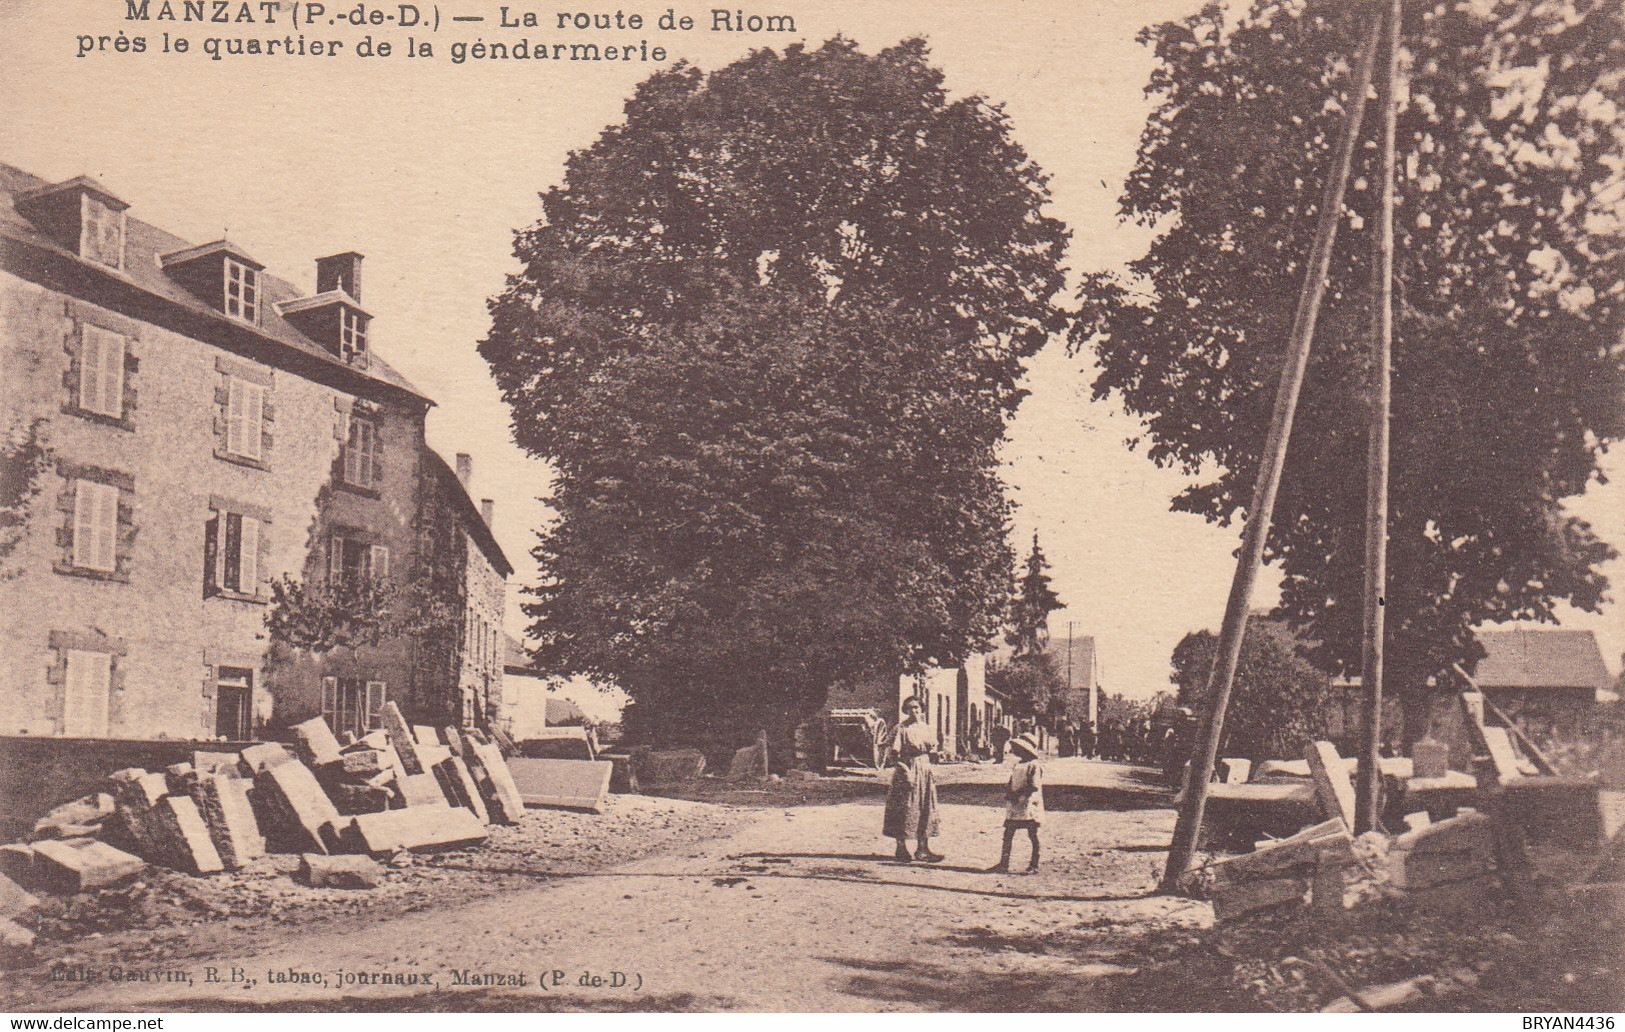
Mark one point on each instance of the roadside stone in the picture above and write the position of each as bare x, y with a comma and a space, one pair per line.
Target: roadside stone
14, 938
400, 736
257, 758
459, 787
223, 802
417, 827
293, 808
15, 901
339, 872
316, 742
82, 864
17, 861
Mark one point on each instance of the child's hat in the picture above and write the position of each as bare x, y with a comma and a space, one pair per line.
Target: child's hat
1026, 744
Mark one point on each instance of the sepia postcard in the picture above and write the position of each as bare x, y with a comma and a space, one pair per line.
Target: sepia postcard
812, 506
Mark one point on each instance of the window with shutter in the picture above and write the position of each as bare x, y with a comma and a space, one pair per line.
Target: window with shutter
211, 555
245, 417
378, 562
248, 559
87, 686
232, 567
330, 703
376, 697
361, 466
95, 526
101, 232
101, 371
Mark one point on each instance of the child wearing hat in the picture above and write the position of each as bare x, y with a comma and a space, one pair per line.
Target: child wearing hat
1024, 800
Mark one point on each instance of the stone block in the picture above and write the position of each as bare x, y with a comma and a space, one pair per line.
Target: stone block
370, 740
1234, 771
339, 872
419, 790
182, 837
90, 809
15, 901
454, 740
17, 861
495, 781
416, 827
749, 762
1430, 759
223, 802
292, 807
363, 763
671, 767
1469, 832
44, 829
423, 735
82, 864
1244, 898
400, 736
179, 777
459, 787
217, 763
354, 799
1334, 789
315, 741
572, 784
267, 754
14, 938
429, 755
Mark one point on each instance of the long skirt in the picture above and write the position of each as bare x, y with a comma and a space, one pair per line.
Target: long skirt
911, 802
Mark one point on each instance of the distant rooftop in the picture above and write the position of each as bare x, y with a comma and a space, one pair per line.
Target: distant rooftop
1541, 659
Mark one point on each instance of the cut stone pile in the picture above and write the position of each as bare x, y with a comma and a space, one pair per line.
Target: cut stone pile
341, 802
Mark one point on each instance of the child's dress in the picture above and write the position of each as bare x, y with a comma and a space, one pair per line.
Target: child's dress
1027, 807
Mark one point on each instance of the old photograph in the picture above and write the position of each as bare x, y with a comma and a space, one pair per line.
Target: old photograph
838, 506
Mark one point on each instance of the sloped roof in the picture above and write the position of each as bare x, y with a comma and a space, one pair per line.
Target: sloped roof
478, 529
514, 658
1084, 666
144, 245
1541, 659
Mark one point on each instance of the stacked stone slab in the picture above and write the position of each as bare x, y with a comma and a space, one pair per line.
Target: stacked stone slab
495, 781
224, 804
1281, 872
297, 808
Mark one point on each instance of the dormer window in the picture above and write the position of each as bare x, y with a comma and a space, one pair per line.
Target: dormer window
352, 335
101, 231
242, 291
81, 216
221, 275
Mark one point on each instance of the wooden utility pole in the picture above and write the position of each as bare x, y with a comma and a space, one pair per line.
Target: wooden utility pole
1369, 788
1188, 830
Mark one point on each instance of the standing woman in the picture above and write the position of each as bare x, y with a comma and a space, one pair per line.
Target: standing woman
911, 803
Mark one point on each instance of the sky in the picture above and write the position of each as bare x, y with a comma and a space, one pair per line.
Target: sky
427, 168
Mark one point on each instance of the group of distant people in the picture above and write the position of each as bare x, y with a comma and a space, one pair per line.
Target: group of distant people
1140, 740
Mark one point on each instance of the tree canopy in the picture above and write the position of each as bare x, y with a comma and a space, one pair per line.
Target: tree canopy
1031, 606
1509, 375
768, 332
1281, 702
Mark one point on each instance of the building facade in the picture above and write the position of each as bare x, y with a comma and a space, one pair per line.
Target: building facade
200, 435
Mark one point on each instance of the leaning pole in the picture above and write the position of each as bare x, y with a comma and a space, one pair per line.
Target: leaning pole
1189, 827
1369, 789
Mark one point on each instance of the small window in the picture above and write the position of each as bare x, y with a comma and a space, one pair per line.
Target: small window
101, 371
95, 526
86, 690
242, 291
350, 558
234, 704
101, 232
352, 334
231, 554
361, 462
245, 417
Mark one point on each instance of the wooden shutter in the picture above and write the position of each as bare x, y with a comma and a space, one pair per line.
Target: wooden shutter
85, 693
90, 369
335, 557
377, 693
249, 559
330, 702
378, 562
234, 552
95, 525
112, 354
234, 415
211, 554
253, 415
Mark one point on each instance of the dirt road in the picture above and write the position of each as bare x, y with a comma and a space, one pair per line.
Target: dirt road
797, 909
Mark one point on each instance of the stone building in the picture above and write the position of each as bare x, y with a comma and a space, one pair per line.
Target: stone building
204, 430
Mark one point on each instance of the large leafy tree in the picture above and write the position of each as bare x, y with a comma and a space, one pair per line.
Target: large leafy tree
768, 332
1282, 702
1509, 378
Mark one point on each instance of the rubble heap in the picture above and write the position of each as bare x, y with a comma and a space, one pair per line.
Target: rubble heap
341, 801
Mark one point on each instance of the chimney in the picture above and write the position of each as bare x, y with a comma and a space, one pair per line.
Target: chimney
465, 468
488, 510
339, 272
